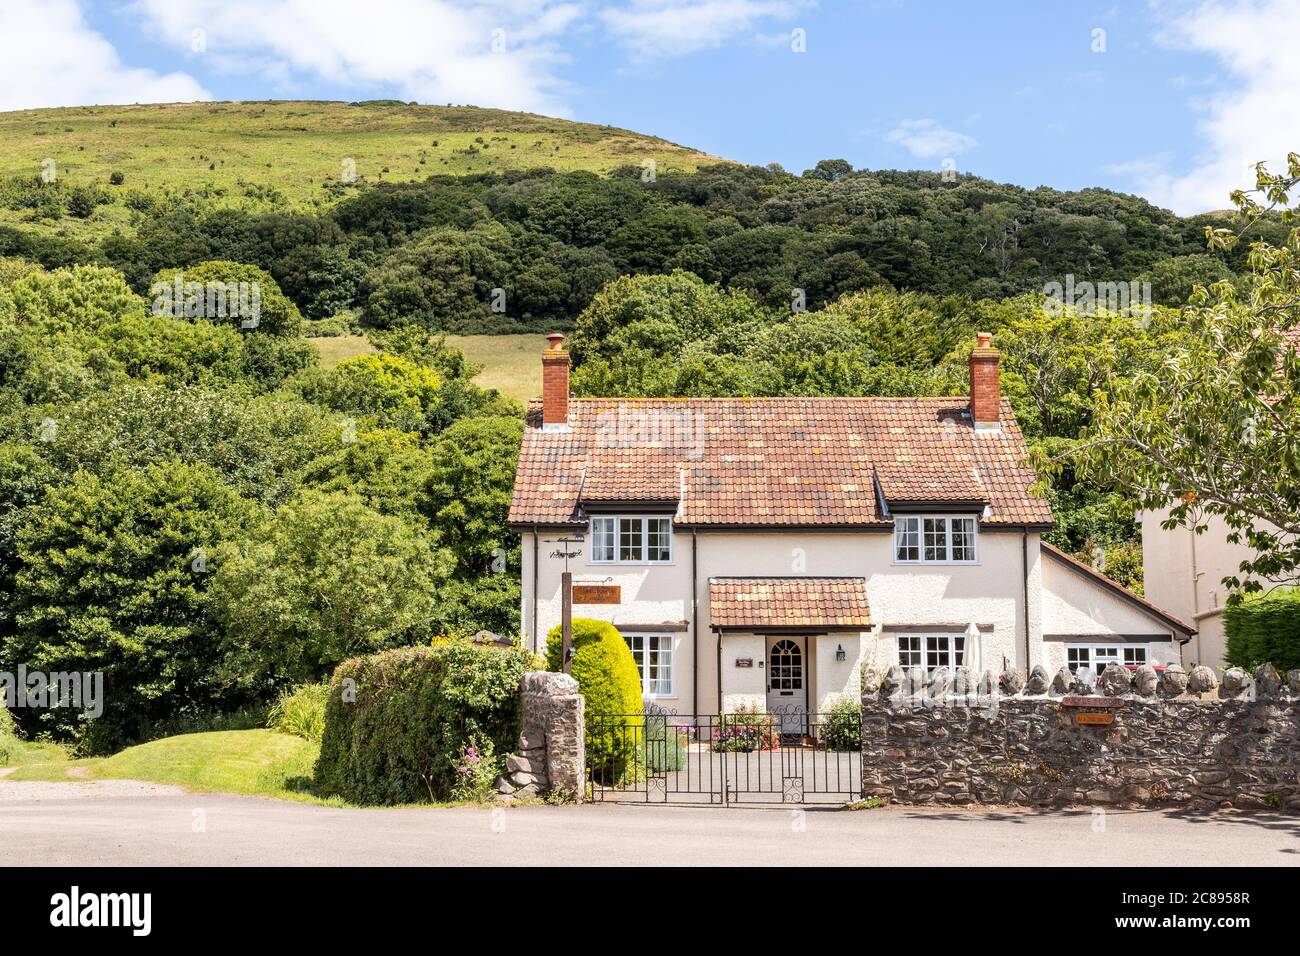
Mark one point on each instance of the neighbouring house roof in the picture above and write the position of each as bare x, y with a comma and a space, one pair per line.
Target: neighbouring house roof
1115, 587
792, 462
789, 603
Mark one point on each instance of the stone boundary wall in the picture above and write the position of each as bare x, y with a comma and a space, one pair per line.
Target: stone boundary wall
1174, 739
551, 755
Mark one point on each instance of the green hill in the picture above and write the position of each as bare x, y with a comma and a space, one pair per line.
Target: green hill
295, 155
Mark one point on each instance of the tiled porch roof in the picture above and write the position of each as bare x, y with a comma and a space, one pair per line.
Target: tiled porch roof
773, 603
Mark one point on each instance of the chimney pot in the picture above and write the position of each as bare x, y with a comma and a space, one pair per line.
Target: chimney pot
985, 387
555, 383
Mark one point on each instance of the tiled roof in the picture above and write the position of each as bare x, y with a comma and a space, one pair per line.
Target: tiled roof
789, 602
773, 461
1178, 624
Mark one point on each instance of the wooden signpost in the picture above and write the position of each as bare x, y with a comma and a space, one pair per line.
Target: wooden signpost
566, 600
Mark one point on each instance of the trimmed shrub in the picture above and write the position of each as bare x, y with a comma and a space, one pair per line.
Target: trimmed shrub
842, 727
1264, 628
398, 724
607, 677
300, 711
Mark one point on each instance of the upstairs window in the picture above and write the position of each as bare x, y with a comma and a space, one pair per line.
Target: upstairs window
631, 540
934, 539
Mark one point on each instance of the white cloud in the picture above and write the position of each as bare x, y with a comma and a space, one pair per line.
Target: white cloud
1257, 118
52, 57
926, 139
500, 54
662, 28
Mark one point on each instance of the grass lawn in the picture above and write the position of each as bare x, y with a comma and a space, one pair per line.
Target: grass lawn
20, 753
255, 762
511, 363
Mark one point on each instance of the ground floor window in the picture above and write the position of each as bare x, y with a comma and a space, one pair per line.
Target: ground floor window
1097, 656
653, 654
932, 650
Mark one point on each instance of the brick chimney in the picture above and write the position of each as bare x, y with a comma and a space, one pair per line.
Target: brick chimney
555, 383
985, 394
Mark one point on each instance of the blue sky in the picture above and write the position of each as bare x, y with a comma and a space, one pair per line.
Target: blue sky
1172, 100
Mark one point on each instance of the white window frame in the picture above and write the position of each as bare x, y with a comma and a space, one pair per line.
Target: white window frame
666, 647
912, 530
953, 643
612, 525
1120, 656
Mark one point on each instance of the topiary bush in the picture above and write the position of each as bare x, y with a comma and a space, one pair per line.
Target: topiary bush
608, 678
398, 724
1264, 628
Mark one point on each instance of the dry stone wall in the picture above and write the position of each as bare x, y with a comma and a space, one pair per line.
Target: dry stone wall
1146, 739
551, 754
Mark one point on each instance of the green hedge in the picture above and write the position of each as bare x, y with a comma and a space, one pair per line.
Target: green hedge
608, 678
1264, 628
416, 709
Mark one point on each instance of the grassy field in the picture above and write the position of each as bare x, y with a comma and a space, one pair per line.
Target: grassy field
340, 348
282, 153
511, 363
255, 762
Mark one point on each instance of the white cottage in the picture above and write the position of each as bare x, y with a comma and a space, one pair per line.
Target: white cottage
760, 551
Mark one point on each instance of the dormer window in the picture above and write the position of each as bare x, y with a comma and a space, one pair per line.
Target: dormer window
935, 539
631, 539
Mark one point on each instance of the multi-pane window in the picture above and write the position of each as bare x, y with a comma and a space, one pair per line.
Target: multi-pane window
632, 540
653, 654
937, 539
1097, 656
785, 666
909, 650
907, 539
659, 539
932, 650
602, 539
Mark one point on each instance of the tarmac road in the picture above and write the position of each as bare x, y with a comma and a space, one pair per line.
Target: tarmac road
125, 823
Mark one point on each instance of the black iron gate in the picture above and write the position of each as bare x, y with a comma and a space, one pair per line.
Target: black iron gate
791, 756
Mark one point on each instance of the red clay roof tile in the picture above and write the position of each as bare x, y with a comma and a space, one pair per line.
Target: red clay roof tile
788, 602
773, 461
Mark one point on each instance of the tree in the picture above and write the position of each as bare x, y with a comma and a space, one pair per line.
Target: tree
387, 468
327, 578
112, 578
1215, 431
682, 302
830, 170
472, 479
386, 390
443, 281
258, 446
242, 296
